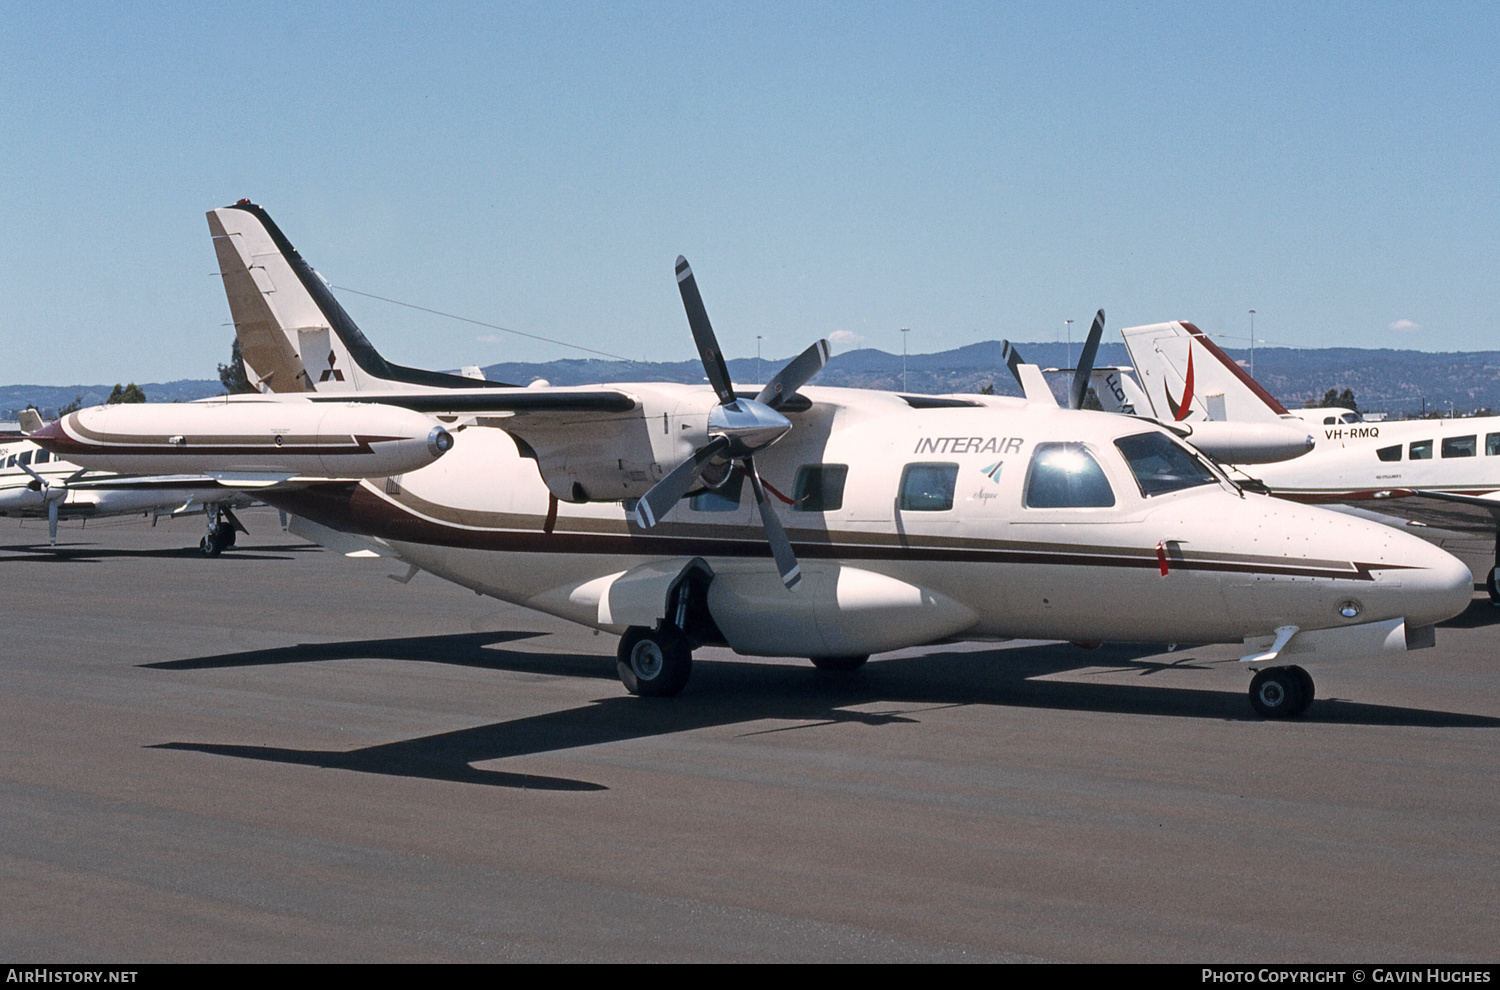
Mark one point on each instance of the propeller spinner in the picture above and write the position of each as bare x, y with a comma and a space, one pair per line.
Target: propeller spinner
737, 427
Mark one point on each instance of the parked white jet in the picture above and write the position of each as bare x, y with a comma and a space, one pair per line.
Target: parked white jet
880, 521
1431, 472
34, 484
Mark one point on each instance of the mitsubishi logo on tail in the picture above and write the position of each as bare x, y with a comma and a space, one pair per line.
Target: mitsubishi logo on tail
333, 374
1179, 413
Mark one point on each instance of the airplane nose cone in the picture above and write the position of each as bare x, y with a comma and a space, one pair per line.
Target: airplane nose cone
1435, 584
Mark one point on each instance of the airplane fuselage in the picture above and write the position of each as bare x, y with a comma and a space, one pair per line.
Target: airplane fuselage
912, 525
1363, 460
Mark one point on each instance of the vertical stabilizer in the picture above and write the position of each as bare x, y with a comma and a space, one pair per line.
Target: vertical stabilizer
294, 335
1188, 379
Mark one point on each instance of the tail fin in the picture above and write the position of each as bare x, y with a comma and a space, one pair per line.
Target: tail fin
294, 335
1118, 392
1187, 378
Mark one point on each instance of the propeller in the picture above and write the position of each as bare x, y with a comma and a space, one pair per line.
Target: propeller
1085, 369
53, 492
737, 428
1013, 361
1081, 375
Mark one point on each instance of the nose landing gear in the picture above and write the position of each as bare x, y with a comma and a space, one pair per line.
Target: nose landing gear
1281, 692
222, 526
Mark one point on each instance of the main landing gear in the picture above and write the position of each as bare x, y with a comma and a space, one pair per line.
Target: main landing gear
1492, 580
1281, 692
654, 663
222, 526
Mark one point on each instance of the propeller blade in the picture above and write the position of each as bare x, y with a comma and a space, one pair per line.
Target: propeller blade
781, 547
1085, 369
1013, 361
52, 521
39, 479
794, 375
703, 333
664, 494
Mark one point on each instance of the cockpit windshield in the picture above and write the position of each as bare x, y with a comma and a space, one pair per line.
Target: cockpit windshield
1161, 465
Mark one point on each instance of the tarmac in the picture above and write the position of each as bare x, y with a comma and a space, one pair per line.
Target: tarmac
280, 755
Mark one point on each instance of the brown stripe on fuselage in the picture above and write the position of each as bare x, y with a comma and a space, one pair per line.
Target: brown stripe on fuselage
364, 509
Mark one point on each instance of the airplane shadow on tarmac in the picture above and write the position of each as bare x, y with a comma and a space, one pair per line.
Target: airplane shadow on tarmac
726, 692
87, 553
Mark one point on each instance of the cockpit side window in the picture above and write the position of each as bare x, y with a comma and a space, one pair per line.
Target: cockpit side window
1162, 466
1066, 476
928, 487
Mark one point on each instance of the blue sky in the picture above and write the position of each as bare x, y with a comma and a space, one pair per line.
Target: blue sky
970, 171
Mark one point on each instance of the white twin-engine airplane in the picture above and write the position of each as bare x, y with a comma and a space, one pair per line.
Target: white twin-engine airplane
1429, 473
791, 520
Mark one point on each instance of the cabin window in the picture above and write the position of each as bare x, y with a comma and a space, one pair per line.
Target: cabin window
1491, 444
1421, 450
928, 487
1393, 453
725, 498
43, 456
820, 487
1162, 466
24, 457
1065, 475
10, 461
1330, 420
1460, 446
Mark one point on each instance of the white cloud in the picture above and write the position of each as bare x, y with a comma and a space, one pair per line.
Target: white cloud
1405, 326
845, 337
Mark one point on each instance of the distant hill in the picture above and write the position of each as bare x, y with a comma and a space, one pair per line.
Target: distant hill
1389, 381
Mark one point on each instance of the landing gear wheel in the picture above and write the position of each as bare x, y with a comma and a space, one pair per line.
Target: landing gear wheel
654, 663
840, 665
1276, 692
1305, 689
224, 534
1492, 585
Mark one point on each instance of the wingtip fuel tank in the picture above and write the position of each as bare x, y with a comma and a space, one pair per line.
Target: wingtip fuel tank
249, 435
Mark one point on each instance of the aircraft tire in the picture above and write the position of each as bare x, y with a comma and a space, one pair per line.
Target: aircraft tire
224, 533
1306, 690
654, 663
209, 545
1276, 692
1492, 585
839, 665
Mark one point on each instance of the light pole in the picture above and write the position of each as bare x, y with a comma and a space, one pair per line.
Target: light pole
1068, 326
758, 339
904, 332
1252, 343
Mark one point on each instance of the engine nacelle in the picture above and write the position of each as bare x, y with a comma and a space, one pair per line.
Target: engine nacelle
610, 461
1248, 443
